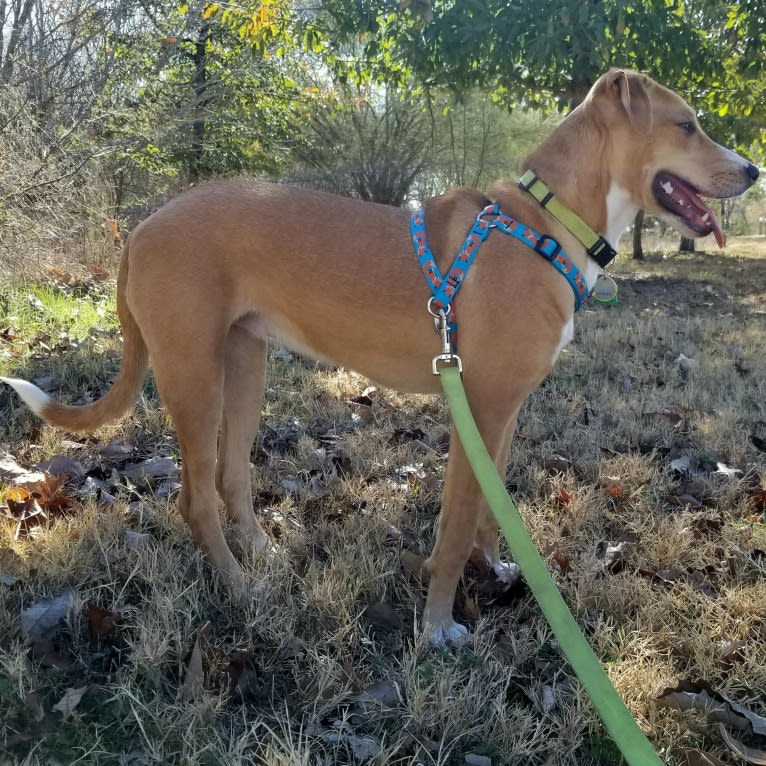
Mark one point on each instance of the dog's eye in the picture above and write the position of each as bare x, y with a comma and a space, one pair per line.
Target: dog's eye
687, 127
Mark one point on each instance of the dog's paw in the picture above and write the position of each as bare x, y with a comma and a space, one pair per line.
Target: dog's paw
508, 573
447, 633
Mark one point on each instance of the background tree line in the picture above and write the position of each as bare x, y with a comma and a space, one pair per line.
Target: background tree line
109, 105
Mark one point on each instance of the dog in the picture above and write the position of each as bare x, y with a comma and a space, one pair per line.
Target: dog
209, 278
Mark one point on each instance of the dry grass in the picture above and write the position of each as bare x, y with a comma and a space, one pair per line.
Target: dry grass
302, 648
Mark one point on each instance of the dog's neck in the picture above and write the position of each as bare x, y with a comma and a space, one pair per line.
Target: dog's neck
572, 163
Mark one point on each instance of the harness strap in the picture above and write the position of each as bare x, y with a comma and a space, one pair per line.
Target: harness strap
597, 246
445, 289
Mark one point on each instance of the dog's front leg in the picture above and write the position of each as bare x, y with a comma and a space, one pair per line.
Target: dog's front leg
463, 508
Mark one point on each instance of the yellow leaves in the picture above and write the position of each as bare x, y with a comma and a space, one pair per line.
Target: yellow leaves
723, 110
210, 10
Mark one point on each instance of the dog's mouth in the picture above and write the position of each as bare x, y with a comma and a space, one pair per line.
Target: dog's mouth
682, 200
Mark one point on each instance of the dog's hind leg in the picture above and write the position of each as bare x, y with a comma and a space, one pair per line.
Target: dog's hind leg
244, 381
189, 377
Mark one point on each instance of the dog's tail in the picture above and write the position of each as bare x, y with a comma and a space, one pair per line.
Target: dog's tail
122, 393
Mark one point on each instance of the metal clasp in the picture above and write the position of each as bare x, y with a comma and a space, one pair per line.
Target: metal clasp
442, 327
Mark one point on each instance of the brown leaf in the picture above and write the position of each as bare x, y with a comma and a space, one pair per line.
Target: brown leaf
412, 563
102, 622
698, 758
750, 754
50, 494
562, 498
245, 676
615, 491
758, 501
195, 674
690, 695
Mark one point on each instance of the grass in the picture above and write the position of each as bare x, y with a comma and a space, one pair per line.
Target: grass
284, 673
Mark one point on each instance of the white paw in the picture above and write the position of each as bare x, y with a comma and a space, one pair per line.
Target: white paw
447, 633
508, 573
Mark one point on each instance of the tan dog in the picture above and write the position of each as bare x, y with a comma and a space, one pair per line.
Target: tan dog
209, 278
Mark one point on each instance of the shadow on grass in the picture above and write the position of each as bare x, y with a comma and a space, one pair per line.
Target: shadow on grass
681, 283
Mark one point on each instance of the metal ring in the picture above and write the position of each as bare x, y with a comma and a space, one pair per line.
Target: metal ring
447, 309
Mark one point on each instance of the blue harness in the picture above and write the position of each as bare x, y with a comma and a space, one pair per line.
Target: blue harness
444, 289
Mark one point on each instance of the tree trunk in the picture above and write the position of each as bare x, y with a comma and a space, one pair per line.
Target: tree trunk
200, 102
687, 245
638, 225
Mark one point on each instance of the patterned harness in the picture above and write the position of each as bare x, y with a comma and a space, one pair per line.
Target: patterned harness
444, 289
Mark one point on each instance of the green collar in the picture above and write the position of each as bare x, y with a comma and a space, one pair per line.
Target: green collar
596, 246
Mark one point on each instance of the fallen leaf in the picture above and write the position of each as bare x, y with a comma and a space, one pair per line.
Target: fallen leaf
404, 435
562, 498
71, 699
750, 754
116, 450
135, 540
563, 560
153, 468
62, 465
245, 676
412, 563
689, 695
548, 699
615, 491
758, 500
725, 470
672, 417
730, 652
363, 748
42, 618
11, 471
472, 759
195, 674
555, 464
382, 615
380, 694
102, 622
698, 758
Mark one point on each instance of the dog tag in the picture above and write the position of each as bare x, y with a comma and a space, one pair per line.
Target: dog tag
605, 290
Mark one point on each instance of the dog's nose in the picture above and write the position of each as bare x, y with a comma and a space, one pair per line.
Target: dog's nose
752, 172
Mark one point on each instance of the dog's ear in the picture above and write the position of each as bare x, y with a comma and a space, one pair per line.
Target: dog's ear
629, 88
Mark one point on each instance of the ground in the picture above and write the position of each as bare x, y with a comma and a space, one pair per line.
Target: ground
638, 467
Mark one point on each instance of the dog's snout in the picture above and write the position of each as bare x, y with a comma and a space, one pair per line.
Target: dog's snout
752, 172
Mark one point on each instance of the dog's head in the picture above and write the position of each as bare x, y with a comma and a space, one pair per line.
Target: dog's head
661, 156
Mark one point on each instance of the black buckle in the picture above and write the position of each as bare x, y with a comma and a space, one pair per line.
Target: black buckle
544, 239
602, 252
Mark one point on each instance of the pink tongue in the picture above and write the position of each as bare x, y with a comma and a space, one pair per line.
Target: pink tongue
717, 230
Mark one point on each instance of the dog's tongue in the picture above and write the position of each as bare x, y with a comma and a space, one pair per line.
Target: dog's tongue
716, 229
685, 201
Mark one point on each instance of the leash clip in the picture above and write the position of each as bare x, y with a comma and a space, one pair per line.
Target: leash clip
447, 357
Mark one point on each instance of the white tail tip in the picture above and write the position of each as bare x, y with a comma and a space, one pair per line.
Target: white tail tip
33, 397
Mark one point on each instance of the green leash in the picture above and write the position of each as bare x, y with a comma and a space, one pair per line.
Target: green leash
629, 738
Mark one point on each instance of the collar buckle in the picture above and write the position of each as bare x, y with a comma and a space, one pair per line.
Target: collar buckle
601, 252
